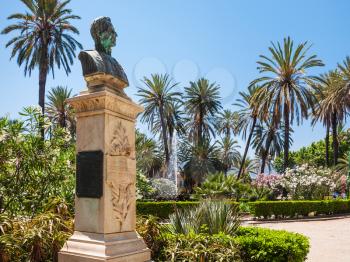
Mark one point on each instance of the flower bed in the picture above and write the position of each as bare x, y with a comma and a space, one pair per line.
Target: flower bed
285, 209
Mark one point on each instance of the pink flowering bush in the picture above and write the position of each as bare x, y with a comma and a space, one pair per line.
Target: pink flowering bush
266, 185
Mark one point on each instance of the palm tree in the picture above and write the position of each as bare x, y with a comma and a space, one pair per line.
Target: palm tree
267, 141
198, 160
332, 109
58, 110
158, 99
202, 102
250, 166
148, 155
286, 86
228, 153
227, 122
249, 114
323, 112
43, 40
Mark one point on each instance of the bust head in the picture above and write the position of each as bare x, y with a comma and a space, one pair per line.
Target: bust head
104, 35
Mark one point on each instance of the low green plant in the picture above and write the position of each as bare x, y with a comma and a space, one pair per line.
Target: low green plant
261, 245
150, 230
199, 247
210, 217
219, 186
293, 208
33, 239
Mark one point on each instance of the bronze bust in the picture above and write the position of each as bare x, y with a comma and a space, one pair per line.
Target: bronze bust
99, 67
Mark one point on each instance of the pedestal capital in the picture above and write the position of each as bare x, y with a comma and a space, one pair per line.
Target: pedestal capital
102, 101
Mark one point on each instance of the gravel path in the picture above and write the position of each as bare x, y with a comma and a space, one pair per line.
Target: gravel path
329, 238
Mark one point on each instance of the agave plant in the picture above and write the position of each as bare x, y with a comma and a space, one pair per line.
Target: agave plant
211, 217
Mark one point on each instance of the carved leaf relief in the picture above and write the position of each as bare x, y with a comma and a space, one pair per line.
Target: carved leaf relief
119, 145
122, 198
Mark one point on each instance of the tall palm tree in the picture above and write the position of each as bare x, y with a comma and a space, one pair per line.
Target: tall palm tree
202, 102
323, 112
250, 167
286, 85
250, 113
267, 141
334, 104
58, 110
198, 160
227, 153
158, 98
43, 39
148, 155
226, 122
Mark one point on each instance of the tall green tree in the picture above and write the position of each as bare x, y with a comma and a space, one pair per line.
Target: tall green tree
149, 157
267, 141
286, 85
324, 110
227, 122
202, 102
250, 113
58, 110
43, 39
333, 106
198, 160
227, 153
158, 97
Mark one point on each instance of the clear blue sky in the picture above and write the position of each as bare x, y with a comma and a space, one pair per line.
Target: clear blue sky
220, 40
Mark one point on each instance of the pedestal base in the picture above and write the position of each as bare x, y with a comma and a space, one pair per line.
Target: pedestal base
116, 247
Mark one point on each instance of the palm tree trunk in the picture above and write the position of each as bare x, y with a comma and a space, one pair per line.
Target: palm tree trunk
200, 127
327, 145
335, 138
164, 134
286, 137
43, 69
266, 150
247, 147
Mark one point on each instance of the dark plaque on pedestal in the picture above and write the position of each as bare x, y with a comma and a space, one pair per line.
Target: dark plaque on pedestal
89, 174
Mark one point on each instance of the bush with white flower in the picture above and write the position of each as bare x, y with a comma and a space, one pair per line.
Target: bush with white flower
164, 189
308, 182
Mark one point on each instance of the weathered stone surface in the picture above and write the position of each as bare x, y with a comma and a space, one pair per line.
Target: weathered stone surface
105, 223
99, 67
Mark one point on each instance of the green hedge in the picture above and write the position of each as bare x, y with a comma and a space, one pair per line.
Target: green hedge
293, 208
261, 245
163, 209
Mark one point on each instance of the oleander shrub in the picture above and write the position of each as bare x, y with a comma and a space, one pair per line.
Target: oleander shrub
163, 209
163, 189
284, 209
261, 245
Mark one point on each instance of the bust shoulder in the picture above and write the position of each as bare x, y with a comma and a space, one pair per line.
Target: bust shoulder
93, 62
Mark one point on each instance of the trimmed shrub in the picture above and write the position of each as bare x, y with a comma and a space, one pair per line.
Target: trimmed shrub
293, 208
164, 208
260, 244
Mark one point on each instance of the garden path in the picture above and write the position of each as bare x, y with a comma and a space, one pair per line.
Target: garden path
329, 237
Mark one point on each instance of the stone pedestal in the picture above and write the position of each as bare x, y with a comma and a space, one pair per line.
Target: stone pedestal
105, 222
